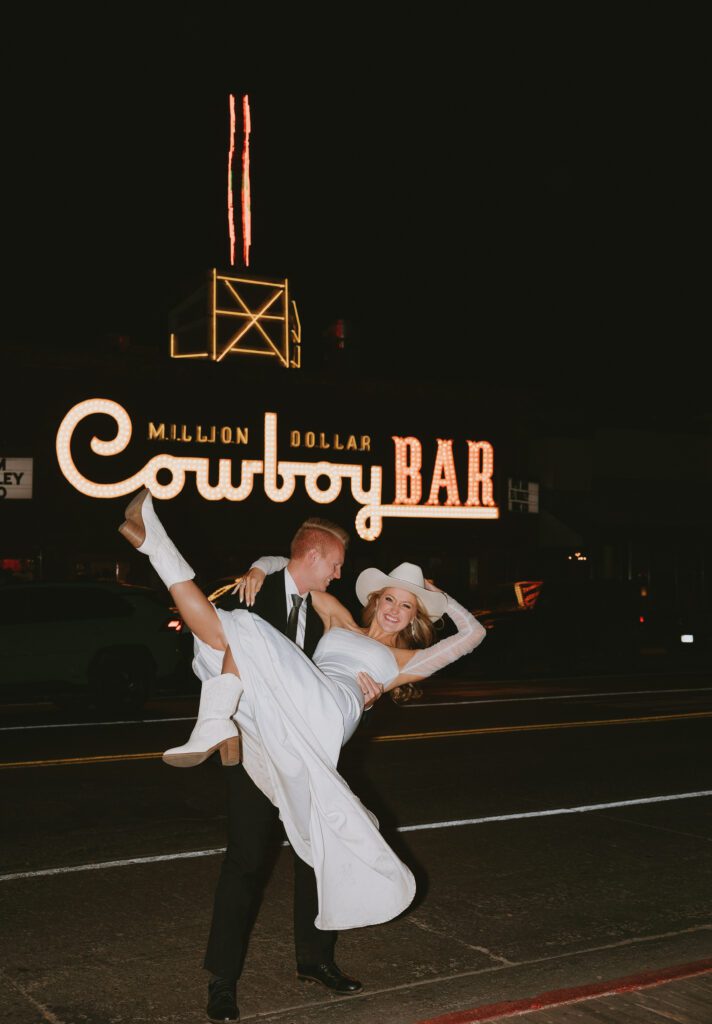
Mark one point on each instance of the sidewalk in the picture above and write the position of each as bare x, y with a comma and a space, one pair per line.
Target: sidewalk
682, 994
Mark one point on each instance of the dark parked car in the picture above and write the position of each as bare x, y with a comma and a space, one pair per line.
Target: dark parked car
553, 627
101, 643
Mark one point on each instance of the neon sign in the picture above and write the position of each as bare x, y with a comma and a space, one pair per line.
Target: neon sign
280, 476
245, 317
246, 202
245, 192
230, 200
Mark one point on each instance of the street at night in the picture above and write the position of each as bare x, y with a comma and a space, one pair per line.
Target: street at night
388, 328
566, 838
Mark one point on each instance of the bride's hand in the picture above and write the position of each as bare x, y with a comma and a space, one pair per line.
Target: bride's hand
370, 689
249, 586
429, 585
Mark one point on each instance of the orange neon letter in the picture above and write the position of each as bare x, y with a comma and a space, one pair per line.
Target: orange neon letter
444, 475
480, 467
409, 485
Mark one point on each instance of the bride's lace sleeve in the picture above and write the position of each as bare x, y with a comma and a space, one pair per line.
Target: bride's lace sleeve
470, 633
270, 563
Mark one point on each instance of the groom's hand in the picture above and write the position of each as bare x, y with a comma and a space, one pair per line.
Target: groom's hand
249, 586
370, 689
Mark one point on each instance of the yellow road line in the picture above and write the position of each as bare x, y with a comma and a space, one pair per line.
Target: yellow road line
535, 728
394, 738
101, 759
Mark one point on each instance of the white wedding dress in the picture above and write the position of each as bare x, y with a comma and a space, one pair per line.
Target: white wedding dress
294, 715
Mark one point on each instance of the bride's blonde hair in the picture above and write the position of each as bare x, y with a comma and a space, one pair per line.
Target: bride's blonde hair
420, 632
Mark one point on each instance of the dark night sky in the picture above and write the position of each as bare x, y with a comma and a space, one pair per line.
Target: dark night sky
525, 191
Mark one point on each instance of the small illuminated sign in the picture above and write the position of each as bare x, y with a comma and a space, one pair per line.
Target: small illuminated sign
15, 478
322, 479
522, 495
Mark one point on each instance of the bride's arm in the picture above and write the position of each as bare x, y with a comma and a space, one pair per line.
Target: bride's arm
417, 665
270, 563
331, 611
250, 583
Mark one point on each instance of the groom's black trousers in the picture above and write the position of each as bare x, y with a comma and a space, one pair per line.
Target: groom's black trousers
251, 833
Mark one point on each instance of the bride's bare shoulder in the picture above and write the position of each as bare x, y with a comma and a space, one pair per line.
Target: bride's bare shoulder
332, 611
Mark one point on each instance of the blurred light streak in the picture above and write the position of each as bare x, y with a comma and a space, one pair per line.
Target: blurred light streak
230, 193
246, 206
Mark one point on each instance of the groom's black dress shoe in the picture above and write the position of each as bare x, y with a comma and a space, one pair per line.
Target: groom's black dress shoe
329, 976
221, 1001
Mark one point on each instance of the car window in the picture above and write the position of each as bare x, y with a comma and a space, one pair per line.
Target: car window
20, 606
141, 598
96, 604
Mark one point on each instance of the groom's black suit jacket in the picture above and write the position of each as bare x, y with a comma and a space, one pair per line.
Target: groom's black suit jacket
271, 605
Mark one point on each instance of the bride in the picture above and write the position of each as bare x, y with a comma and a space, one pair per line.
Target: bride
291, 732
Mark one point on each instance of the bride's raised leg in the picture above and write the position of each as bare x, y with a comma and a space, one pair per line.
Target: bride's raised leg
144, 530
214, 728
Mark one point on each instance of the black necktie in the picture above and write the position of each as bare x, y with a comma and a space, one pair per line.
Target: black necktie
294, 617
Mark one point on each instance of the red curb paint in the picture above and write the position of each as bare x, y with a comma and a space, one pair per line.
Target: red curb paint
559, 997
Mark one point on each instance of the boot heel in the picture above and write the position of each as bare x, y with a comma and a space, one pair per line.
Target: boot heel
230, 751
132, 533
133, 509
134, 528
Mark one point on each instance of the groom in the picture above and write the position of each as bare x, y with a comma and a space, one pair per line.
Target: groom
316, 556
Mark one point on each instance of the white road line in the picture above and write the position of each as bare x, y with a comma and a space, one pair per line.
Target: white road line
112, 864
556, 696
410, 706
583, 809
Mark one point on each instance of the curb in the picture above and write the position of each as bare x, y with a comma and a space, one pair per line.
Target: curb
564, 996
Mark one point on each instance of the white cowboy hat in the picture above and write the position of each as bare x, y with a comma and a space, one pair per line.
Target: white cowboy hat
406, 576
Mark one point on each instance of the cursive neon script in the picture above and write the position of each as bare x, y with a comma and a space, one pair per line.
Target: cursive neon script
280, 476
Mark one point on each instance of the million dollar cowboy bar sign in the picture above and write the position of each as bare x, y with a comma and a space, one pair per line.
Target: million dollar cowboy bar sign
419, 493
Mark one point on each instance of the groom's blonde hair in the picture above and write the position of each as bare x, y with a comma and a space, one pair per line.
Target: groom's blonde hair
316, 533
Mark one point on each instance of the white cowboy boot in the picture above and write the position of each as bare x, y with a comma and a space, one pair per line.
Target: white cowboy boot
144, 530
214, 728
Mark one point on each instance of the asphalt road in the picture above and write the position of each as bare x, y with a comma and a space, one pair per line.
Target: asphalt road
557, 829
